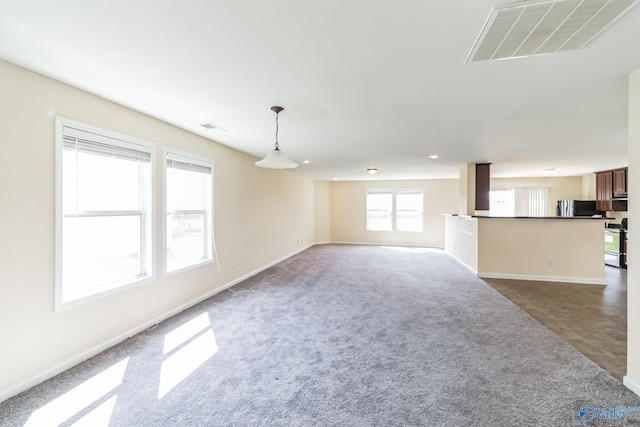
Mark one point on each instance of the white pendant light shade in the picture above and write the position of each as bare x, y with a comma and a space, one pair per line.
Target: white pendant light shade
277, 159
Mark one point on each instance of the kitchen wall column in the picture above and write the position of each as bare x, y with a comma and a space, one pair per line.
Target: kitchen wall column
474, 189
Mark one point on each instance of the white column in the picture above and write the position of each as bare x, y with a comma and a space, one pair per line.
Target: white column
467, 195
632, 379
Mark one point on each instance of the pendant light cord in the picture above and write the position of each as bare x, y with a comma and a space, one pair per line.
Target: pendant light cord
277, 145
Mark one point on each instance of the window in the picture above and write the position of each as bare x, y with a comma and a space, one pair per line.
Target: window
519, 201
501, 202
104, 211
531, 201
379, 210
407, 215
189, 226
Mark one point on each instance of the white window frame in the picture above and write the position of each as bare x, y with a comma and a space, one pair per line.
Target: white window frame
147, 214
397, 210
393, 193
367, 210
209, 247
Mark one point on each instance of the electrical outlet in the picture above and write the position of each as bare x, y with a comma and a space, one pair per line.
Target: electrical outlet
550, 262
233, 265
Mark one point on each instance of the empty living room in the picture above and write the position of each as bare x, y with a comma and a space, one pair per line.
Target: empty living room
279, 213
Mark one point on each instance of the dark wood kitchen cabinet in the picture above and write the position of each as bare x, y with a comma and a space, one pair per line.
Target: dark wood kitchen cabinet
620, 182
483, 186
611, 190
604, 190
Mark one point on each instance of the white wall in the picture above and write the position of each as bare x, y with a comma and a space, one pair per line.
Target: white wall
558, 250
461, 239
322, 212
589, 187
260, 216
348, 212
528, 249
632, 379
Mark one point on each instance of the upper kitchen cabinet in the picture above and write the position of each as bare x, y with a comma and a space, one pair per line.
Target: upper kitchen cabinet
611, 190
604, 190
620, 182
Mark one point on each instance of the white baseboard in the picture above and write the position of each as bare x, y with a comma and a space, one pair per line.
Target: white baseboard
50, 373
400, 245
562, 279
340, 242
462, 263
631, 385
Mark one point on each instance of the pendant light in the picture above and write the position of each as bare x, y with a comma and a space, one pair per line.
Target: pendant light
277, 159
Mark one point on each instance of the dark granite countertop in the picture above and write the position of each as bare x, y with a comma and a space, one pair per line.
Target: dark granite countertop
564, 218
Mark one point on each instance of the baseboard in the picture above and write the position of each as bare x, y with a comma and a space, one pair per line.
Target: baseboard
631, 385
400, 245
462, 263
562, 279
118, 339
340, 242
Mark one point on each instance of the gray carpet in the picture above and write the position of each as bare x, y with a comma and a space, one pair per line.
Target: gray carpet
340, 336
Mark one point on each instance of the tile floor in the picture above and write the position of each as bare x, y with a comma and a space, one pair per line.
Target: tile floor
592, 318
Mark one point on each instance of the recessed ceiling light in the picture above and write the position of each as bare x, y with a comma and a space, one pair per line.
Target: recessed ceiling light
306, 162
433, 156
372, 171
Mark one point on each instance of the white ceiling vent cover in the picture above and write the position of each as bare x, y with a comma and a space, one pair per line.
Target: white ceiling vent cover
210, 125
538, 27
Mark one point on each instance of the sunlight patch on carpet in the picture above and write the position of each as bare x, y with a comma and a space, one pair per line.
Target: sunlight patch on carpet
86, 394
100, 416
199, 347
184, 333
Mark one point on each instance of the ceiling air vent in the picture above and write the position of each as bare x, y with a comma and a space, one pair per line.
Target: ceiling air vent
212, 126
537, 27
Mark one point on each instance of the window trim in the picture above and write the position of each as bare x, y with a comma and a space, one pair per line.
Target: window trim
200, 161
366, 208
394, 208
149, 249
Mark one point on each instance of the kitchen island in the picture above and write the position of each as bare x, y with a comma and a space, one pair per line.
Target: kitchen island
553, 249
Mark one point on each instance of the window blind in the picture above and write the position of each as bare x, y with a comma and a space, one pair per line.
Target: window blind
188, 166
90, 143
409, 192
531, 201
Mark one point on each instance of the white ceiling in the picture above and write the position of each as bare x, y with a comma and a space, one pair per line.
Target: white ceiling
364, 83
